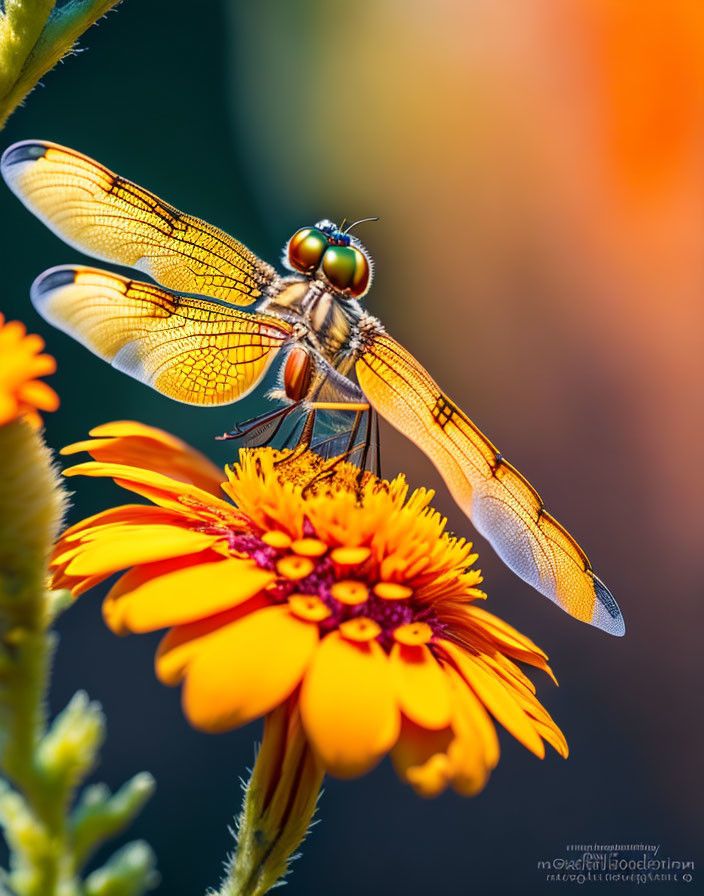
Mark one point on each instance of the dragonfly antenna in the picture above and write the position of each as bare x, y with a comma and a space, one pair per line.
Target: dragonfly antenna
361, 221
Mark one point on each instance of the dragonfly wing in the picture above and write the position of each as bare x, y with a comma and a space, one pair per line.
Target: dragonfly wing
193, 350
104, 215
503, 506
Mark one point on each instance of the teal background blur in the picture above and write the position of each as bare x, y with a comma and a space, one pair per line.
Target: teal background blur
540, 251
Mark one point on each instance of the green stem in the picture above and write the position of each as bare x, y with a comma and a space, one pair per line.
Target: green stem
34, 36
31, 505
279, 804
49, 843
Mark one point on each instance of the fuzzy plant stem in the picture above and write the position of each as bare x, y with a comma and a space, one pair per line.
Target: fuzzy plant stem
31, 507
34, 36
279, 803
42, 763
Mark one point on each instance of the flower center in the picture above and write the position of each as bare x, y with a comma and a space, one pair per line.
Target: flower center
338, 588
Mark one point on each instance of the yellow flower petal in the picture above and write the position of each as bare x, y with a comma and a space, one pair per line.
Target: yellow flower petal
413, 755
131, 545
120, 429
21, 393
181, 645
37, 394
470, 719
185, 595
468, 769
457, 756
163, 490
247, 668
507, 634
126, 513
129, 442
497, 699
348, 705
421, 686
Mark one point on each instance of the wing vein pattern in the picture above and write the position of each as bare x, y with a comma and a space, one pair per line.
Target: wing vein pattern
501, 503
106, 216
193, 350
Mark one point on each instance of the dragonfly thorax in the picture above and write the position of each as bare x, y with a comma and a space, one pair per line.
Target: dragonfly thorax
329, 253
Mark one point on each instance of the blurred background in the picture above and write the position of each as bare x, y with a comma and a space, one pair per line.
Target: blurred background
537, 168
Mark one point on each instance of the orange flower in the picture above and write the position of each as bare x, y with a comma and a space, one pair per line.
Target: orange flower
333, 588
21, 362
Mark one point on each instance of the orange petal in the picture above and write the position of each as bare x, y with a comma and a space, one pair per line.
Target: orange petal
126, 441
470, 719
421, 686
163, 490
414, 758
504, 632
131, 545
86, 584
37, 394
247, 668
185, 595
498, 699
468, 769
348, 705
8, 408
181, 645
125, 513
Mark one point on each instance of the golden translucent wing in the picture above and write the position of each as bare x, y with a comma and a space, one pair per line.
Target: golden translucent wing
193, 350
110, 218
503, 506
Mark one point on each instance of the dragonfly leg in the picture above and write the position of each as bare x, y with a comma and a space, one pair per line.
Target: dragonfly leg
351, 449
366, 444
242, 430
303, 443
338, 405
377, 446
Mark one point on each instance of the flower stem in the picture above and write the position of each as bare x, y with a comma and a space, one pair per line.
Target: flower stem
34, 36
280, 801
31, 506
43, 764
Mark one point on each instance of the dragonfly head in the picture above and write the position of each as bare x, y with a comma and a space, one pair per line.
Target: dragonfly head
329, 252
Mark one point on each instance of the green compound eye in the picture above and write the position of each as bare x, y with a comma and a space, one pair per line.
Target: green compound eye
347, 269
306, 248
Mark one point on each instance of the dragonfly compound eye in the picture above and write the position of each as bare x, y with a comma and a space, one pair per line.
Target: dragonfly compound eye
347, 269
297, 373
306, 248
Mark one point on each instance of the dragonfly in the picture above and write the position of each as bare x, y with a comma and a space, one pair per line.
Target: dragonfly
216, 317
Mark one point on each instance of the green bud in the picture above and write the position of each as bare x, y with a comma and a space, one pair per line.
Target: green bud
68, 752
100, 815
129, 872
